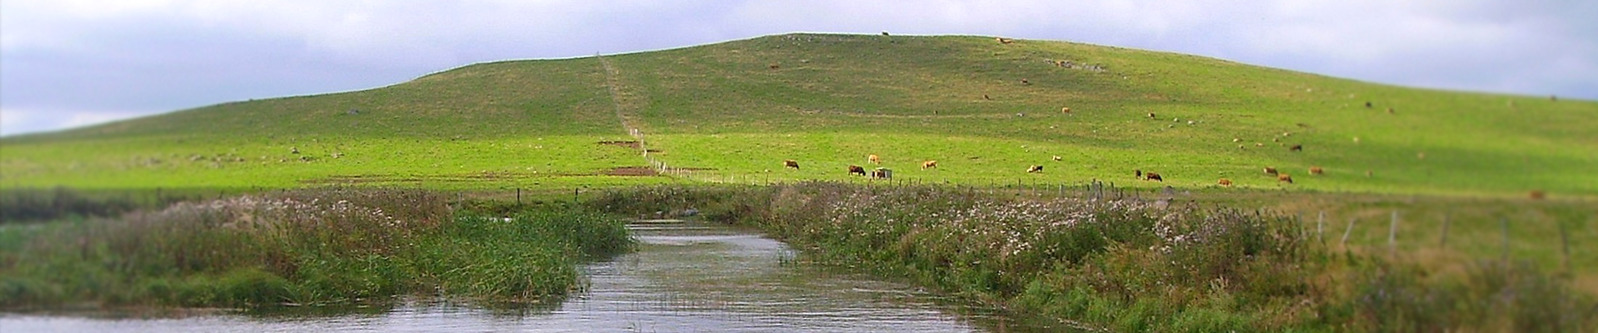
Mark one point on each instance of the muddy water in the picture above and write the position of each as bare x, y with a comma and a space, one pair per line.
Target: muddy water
685, 277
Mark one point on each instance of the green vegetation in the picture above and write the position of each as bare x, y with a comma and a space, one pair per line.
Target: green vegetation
723, 113
1132, 265
312, 247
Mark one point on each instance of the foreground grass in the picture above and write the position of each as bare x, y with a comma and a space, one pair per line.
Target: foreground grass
1133, 265
308, 247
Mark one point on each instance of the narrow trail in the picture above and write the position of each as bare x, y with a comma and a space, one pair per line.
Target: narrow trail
629, 124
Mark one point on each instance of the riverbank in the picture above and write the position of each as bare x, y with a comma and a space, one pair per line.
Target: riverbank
1132, 265
306, 247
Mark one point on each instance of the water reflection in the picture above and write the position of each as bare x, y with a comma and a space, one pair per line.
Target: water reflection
685, 277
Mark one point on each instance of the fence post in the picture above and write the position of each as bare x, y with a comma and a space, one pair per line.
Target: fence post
518, 196
1392, 234
1320, 222
1443, 242
1504, 223
1347, 231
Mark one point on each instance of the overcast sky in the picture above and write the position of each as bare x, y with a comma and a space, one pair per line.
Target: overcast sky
68, 63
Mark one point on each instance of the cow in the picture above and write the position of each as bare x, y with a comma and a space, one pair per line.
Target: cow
1034, 169
1270, 170
1153, 176
929, 165
985, 97
883, 173
1296, 148
1389, 110
1367, 104
1057, 158
1225, 182
873, 158
1284, 178
774, 66
1003, 40
1137, 174
855, 169
1065, 110
1024, 81
884, 33
1151, 115
1538, 195
1315, 170
791, 164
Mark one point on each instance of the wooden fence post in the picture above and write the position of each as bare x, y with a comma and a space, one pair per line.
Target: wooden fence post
1443, 241
1392, 234
1347, 231
1320, 222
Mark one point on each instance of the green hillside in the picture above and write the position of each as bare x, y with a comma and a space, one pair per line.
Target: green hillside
734, 111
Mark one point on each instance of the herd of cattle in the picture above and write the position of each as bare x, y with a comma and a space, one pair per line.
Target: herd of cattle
887, 173
1281, 177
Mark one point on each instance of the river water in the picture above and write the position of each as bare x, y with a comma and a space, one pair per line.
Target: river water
685, 277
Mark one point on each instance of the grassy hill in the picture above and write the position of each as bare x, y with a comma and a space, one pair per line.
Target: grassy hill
734, 111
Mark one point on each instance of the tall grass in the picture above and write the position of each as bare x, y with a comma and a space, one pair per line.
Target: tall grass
1125, 265
300, 247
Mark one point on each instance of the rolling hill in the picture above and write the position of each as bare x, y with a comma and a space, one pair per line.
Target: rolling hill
734, 111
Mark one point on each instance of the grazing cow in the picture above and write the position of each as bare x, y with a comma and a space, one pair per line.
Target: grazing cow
1024, 81
985, 97
1296, 148
1226, 182
1538, 195
855, 169
1065, 110
1284, 178
1057, 158
1003, 40
1367, 104
929, 165
884, 33
873, 158
1034, 169
1153, 176
1137, 174
791, 164
774, 66
1270, 170
1315, 170
1151, 115
883, 173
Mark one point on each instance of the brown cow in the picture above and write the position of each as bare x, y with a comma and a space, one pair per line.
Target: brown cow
1024, 81
1270, 170
1315, 170
1151, 115
1034, 169
929, 165
1538, 195
985, 96
1226, 182
1153, 176
855, 169
791, 164
874, 160
1284, 178
1296, 148
1003, 40
1065, 110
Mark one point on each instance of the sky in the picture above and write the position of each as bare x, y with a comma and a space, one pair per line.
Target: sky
71, 63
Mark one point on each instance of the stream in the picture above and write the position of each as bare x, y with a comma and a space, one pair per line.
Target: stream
685, 277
